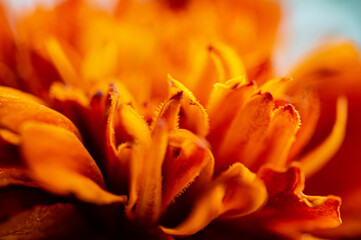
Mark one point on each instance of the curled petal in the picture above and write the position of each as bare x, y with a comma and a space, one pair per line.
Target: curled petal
193, 116
318, 157
236, 192
182, 170
227, 62
289, 211
169, 112
62, 63
63, 172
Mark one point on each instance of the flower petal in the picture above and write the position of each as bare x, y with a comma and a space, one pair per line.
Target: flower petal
193, 115
9, 142
227, 62
59, 220
15, 176
236, 192
221, 112
7, 52
72, 171
180, 171
134, 132
281, 134
169, 112
242, 142
289, 212
149, 205
62, 63
17, 108
317, 158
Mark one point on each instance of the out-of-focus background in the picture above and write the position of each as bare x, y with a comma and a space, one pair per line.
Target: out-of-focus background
305, 25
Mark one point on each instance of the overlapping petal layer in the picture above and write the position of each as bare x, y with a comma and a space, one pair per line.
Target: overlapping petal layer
213, 150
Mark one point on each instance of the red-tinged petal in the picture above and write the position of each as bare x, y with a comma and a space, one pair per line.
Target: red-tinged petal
334, 71
59, 162
56, 221
150, 192
15, 176
9, 142
318, 157
289, 212
180, 171
17, 108
341, 173
242, 142
193, 116
236, 192
221, 112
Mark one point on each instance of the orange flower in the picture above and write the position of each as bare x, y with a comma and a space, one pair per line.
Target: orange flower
96, 141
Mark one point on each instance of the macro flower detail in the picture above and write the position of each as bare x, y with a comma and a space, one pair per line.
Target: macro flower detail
98, 142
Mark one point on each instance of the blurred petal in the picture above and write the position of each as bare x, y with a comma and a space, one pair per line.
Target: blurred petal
317, 158
227, 62
15, 176
45, 222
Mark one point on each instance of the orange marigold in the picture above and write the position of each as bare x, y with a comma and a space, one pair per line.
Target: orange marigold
97, 142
